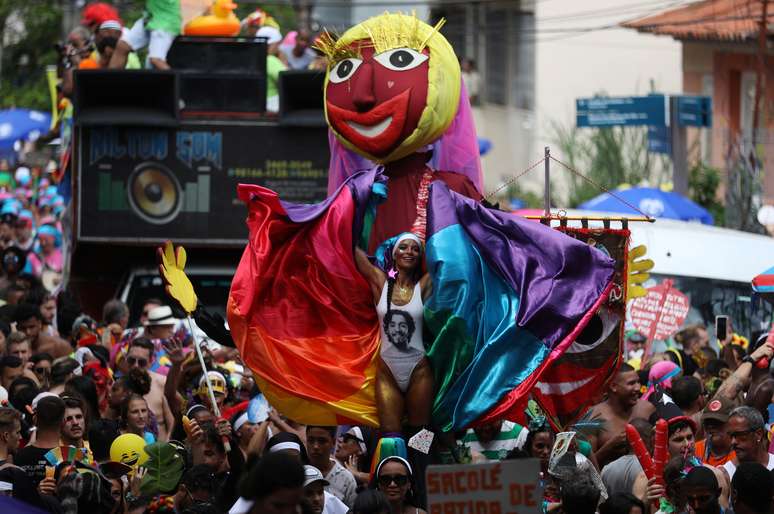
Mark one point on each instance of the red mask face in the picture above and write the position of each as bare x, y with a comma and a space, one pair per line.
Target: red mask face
376, 102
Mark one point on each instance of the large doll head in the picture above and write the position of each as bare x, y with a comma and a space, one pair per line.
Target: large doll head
392, 87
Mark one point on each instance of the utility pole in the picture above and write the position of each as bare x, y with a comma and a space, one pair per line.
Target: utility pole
679, 150
760, 77
547, 188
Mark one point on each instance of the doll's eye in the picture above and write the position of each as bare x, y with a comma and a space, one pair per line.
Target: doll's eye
400, 59
344, 70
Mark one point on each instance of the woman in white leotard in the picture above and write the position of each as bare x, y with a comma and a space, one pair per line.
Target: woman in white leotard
404, 381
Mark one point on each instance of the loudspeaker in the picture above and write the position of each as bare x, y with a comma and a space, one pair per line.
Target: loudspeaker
301, 98
212, 93
154, 193
220, 74
126, 97
218, 55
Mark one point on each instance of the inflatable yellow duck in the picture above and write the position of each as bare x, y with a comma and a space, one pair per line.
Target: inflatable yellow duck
221, 22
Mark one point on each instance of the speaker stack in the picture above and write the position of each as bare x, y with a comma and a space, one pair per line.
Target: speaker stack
126, 97
220, 75
301, 98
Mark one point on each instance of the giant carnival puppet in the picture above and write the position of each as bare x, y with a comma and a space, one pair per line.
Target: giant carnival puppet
402, 301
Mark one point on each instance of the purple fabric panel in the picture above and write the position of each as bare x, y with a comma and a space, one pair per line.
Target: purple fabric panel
556, 277
360, 184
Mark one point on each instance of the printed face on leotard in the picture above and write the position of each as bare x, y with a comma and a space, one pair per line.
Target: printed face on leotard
399, 328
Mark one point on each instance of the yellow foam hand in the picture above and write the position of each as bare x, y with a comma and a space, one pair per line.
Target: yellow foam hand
638, 272
171, 269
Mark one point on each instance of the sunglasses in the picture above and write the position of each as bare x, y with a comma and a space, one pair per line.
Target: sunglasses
41, 371
741, 433
386, 480
140, 362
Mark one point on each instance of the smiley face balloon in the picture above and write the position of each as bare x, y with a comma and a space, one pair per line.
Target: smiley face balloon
392, 87
129, 449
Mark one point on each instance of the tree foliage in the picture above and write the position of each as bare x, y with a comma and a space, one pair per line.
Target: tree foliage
28, 31
607, 157
703, 183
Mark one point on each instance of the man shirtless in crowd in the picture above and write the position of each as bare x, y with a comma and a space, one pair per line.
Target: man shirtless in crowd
622, 395
140, 355
30, 321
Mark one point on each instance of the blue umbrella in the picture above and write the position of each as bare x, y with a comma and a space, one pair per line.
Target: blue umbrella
653, 202
21, 124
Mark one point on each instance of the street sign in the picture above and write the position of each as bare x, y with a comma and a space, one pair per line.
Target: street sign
694, 111
507, 487
652, 110
659, 140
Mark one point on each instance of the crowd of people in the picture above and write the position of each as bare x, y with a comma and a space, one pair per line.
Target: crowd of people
99, 416
30, 229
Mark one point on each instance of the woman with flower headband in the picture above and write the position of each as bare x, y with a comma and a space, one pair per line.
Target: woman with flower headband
404, 381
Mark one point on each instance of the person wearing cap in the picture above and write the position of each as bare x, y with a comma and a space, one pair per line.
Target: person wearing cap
23, 231
244, 430
47, 260
106, 37
320, 501
160, 323
48, 415
274, 65
634, 342
219, 389
352, 453
94, 13
715, 449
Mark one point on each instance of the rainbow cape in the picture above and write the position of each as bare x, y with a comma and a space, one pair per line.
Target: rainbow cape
509, 296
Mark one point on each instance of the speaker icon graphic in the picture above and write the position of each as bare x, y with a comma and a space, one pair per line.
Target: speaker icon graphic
154, 193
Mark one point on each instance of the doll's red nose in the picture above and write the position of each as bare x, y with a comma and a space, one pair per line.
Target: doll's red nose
363, 89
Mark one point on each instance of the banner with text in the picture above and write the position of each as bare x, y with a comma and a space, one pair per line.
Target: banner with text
507, 487
146, 185
661, 313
